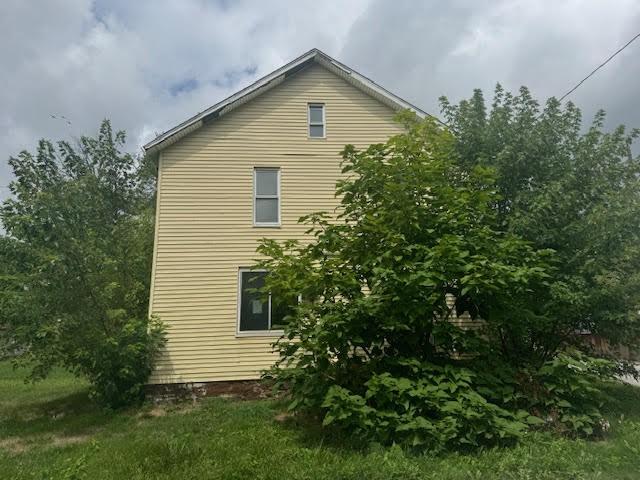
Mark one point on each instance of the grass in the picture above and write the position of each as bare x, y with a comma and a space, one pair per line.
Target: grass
52, 431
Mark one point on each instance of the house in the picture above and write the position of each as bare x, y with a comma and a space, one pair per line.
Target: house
241, 170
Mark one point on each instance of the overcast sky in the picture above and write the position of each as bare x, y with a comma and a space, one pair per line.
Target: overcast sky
147, 65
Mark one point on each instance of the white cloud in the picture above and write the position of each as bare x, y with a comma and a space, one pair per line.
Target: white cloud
126, 61
148, 65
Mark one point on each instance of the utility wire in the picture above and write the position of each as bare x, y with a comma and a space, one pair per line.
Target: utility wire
599, 67
573, 89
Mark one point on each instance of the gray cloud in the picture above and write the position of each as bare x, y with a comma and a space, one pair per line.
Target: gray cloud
425, 49
148, 65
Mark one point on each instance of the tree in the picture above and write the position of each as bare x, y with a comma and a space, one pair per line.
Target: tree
369, 342
80, 228
566, 188
12, 298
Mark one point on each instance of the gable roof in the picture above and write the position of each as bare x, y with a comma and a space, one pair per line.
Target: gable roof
271, 80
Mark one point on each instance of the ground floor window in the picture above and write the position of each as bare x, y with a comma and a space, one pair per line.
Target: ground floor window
256, 312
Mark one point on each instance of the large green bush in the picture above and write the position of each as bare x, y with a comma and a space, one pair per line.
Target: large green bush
412, 229
370, 346
78, 253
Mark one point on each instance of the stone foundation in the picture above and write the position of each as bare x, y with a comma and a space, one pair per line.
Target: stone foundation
240, 389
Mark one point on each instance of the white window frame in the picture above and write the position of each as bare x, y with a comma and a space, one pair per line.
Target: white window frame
324, 120
253, 333
277, 197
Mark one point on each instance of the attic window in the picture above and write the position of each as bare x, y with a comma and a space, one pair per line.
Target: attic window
316, 120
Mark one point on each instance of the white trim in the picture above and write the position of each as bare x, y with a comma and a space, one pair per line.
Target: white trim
324, 120
274, 78
277, 197
252, 333
259, 333
155, 235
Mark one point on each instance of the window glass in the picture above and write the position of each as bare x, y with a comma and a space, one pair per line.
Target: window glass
267, 182
315, 114
266, 210
257, 312
316, 131
254, 309
316, 121
266, 196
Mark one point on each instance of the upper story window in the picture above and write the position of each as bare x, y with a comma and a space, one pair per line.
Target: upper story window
316, 120
266, 197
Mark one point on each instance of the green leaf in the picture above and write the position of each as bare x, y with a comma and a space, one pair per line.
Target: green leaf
534, 421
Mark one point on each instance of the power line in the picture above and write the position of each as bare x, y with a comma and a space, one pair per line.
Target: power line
599, 67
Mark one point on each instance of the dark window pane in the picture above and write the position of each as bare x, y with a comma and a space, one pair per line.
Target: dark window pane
266, 182
315, 114
316, 131
266, 210
254, 309
280, 310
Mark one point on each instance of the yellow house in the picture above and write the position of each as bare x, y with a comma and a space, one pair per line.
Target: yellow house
241, 170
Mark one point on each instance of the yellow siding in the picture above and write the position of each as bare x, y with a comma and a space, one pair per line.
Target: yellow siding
205, 229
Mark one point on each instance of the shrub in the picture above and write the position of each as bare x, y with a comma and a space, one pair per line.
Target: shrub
118, 366
77, 264
567, 392
412, 229
439, 407
370, 347
568, 186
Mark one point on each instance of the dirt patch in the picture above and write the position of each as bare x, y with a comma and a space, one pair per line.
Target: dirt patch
165, 408
155, 412
70, 440
283, 417
14, 446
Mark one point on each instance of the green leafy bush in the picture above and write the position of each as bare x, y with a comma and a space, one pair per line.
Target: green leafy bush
118, 366
412, 229
568, 186
567, 392
370, 347
438, 408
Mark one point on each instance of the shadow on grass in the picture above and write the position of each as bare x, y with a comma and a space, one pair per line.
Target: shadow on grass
71, 415
308, 432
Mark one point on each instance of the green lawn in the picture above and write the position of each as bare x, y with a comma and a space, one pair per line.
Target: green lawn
51, 430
